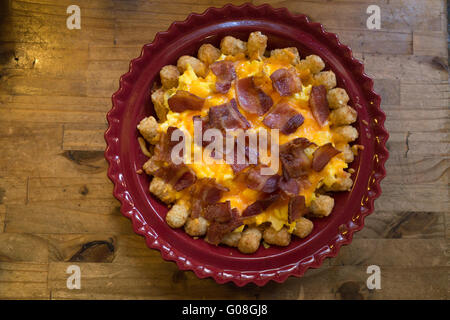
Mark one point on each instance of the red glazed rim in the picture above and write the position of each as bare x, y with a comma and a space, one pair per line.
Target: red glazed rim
131, 103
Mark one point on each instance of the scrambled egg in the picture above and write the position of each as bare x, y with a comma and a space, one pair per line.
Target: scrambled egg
239, 195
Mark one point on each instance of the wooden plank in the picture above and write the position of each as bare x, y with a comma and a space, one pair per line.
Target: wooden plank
38, 60
19, 247
430, 44
385, 253
398, 197
403, 224
23, 280
408, 69
2, 217
418, 121
17, 82
68, 189
425, 95
45, 218
84, 137
417, 170
112, 53
398, 15
55, 102
424, 144
13, 190
110, 281
389, 90
376, 42
39, 145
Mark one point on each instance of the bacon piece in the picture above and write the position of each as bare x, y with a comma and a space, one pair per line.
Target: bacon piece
179, 176
205, 192
217, 230
260, 205
164, 147
284, 117
293, 186
289, 186
251, 98
225, 74
319, 104
183, 100
293, 158
219, 212
322, 156
286, 81
296, 208
264, 183
187, 179
227, 116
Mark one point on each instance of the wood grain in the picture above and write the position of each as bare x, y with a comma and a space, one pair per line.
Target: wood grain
56, 203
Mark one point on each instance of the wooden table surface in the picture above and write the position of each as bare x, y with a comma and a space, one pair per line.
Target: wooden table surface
56, 203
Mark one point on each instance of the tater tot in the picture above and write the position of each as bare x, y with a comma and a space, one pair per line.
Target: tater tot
232, 239
198, 66
163, 190
256, 45
177, 216
337, 98
232, 46
349, 156
343, 116
303, 227
290, 55
314, 63
196, 227
207, 53
343, 183
347, 133
249, 241
158, 103
148, 127
169, 76
322, 206
279, 238
326, 78
150, 166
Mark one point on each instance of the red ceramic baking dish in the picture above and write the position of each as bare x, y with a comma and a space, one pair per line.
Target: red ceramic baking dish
132, 102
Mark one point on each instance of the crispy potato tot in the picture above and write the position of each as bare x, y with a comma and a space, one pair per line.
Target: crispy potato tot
290, 55
196, 227
303, 227
279, 238
347, 133
337, 98
343, 183
148, 127
169, 76
256, 45
349, 156
163, 190
158, 103
343, 116
232, 46
249, 241
198, 66
314, 63
232, 239
326, 78
150, 166
178, 215
322, 206
207, 53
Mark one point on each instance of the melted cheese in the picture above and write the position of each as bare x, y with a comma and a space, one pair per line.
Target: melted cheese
239, 195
